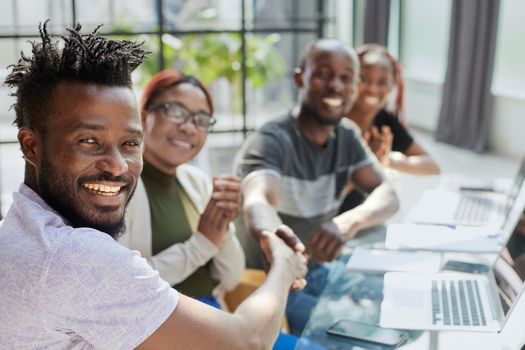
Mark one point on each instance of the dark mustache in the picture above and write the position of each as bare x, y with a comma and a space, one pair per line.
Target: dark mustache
107, 177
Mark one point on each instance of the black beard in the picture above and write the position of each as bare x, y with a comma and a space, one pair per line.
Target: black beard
320, 119
55, 194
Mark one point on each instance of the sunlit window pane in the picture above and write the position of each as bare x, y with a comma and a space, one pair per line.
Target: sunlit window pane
425, 35
22, 16
509, 73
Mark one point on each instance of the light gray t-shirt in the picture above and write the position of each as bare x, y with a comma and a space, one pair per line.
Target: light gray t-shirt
73, 288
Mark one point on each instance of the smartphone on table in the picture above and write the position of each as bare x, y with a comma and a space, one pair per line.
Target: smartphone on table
367, 332
463, 266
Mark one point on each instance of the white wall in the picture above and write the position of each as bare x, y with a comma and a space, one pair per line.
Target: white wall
508, 128
507, 135
423, 101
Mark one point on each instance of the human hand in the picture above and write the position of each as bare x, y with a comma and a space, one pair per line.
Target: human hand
380, 143
222, 208
227, 194
326, 242
383, 153
276, 248
292, 241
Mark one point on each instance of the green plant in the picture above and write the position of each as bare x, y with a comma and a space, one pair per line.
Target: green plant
213, 56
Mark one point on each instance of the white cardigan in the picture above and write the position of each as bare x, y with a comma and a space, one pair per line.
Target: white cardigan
180, 260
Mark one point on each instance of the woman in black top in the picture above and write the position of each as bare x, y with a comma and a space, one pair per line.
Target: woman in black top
387, 137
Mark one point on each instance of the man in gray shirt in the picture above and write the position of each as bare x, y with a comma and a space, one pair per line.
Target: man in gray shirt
64, 281
297, 170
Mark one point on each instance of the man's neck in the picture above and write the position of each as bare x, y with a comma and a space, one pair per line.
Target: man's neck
30, 179
312, 129
364, 119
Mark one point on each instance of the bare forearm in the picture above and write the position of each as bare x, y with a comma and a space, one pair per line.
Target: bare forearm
256, 322
254, 325
261, 217
422, 164
262, 313
381, 204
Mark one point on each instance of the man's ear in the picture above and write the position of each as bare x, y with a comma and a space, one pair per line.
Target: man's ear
298, 77
27, 138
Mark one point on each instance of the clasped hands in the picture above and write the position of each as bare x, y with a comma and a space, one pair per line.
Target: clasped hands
222, 208
324, 245
380, 143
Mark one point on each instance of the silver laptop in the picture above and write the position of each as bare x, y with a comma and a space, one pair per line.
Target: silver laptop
451, 300
469, 208
451, 238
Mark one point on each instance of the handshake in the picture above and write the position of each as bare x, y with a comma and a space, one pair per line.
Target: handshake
283, 251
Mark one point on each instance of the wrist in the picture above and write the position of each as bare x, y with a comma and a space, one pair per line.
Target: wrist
348, 225
217, 237
280, 268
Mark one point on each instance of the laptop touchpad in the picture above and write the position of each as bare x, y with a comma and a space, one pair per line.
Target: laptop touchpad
408, 298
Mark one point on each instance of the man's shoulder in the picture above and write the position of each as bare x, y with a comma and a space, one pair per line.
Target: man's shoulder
281, 125
94, 242
348, 129
88, 254
74, 246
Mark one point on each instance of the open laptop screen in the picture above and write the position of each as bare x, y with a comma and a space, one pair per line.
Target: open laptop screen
515, 188
510, 271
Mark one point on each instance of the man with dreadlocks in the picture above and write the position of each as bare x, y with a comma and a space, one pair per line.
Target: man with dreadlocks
64, 280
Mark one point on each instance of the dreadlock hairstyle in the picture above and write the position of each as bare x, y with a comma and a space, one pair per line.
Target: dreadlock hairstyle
88, 58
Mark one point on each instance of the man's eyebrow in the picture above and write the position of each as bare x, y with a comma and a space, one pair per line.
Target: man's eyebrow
136, 132
86, 126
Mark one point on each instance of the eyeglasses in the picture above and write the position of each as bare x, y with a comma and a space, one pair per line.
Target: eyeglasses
179, 114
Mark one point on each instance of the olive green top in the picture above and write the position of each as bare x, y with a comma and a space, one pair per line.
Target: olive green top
174, 218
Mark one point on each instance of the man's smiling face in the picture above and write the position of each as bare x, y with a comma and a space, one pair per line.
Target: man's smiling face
90, 154
329, 81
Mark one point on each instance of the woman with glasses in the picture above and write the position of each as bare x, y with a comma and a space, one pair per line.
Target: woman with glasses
179, 219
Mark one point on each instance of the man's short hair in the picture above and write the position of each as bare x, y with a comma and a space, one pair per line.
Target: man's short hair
321, 44
87, 58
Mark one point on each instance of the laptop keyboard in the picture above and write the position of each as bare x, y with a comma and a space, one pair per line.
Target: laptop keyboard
473, 208
457, 303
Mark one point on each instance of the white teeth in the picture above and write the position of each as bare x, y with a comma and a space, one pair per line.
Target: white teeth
182, 144
103, 189
371, 100
333, 102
